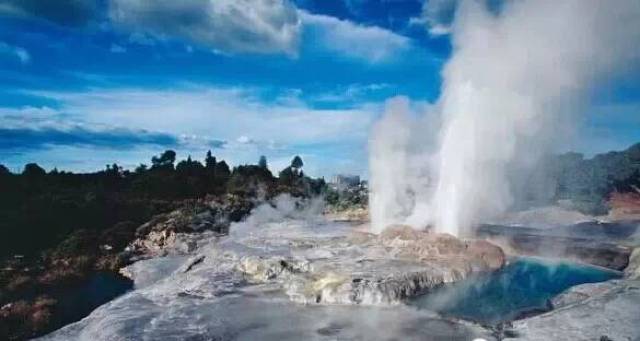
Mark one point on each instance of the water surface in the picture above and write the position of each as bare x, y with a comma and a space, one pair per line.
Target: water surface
522, 287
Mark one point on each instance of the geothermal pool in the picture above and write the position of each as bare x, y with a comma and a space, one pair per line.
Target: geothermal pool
523, 287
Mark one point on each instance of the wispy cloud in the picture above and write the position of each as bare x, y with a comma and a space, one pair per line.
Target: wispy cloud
116, 138
370, 43
115, 48
16, 52
192, 119
226, 113
29, 128
353, 93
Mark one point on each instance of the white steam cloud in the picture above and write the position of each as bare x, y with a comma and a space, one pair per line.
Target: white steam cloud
516, 76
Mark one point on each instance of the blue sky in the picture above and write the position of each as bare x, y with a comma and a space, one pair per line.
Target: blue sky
84, 83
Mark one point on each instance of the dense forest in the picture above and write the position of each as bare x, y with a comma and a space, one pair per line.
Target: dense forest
39, 209
588, 183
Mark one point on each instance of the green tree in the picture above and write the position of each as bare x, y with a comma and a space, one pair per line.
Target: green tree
141, 169
297, 163
287, 176
4, 170
263, 162
222, 170
114, 170
210, 161
189, 167
166, 159
32, 170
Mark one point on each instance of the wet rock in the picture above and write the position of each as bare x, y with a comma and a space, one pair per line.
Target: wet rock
488, 253
546, 243
260, 269
582, 292
252, 317
367, 269
376, 282
174, 232
311, 261
191, 263
614, 313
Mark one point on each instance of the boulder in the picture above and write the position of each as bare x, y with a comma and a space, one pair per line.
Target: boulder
176, 231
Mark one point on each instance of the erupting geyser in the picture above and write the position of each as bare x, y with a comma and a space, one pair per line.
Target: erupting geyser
517, 75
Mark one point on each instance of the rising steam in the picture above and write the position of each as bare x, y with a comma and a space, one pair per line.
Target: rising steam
517, 76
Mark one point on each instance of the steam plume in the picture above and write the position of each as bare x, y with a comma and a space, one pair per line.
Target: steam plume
517, 74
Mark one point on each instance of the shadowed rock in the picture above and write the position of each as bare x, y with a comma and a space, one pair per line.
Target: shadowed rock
550, 243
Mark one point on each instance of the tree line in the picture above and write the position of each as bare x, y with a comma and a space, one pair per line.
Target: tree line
39, 208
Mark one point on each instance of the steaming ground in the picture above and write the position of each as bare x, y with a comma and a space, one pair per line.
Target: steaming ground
253, 285
288, 274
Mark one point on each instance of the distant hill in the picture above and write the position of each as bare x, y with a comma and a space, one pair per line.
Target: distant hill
589, 183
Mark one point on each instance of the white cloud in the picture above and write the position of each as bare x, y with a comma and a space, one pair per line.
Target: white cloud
115, 48
258, 26
222, 112
370, 43
235, 115
352, 93
244, 139
17, 52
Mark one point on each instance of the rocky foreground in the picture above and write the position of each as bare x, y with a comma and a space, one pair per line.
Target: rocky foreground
32, 290
284, 266
314, 262
287, 273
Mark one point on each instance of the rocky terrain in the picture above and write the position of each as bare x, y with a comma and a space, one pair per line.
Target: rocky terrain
350, 267
287, 257
624, 206
595, 311
294, 260
361, 268
171, 232
30, 289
